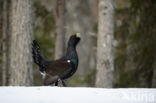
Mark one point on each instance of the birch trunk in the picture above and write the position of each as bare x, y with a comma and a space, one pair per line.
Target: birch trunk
105, 64
21, 71
60, 29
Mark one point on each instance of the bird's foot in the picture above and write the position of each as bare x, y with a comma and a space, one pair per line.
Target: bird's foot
57, 82
63, 83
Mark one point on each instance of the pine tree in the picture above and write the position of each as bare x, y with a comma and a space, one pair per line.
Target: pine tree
60, 28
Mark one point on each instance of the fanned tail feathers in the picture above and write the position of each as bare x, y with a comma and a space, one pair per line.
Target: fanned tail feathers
38, 57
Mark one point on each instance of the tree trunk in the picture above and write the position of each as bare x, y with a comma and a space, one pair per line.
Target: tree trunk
154, 76
1, 38
105, 64
5, 43
96, 10
21, 71
154, 79
60, 29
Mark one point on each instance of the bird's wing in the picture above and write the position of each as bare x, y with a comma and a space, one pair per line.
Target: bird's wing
60, 68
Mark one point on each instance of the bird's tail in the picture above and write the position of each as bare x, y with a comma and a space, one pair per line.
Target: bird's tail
37, 56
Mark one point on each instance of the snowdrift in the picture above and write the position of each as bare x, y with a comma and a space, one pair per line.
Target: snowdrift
75, 95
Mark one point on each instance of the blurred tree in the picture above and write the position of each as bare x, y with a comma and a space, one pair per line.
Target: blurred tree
1, 17
21, 24
145, 34
142, 41
154, 76
96, 2
60, 28
135, 57
122, 58
5, 42
105, 65
45, 26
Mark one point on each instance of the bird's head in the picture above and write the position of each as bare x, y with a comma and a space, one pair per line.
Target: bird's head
74, 39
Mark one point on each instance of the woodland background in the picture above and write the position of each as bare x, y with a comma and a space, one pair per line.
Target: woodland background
117, 47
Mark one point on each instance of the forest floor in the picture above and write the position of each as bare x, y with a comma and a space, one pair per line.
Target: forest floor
76, 95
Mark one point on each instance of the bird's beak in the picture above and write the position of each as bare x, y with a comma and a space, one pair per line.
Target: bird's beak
78, 35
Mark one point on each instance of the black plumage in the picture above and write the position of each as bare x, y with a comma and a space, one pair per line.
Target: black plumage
60, 69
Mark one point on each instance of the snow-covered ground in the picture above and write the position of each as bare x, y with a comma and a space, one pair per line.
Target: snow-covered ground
75, 95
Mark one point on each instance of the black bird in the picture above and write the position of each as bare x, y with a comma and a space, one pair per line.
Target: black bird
60, 69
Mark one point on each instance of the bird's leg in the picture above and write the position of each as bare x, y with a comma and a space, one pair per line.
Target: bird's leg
64, 84
56, 83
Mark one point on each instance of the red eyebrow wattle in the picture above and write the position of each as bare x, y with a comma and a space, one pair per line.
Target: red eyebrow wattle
73, 37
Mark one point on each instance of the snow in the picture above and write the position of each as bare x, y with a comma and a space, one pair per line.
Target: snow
75, 95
